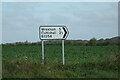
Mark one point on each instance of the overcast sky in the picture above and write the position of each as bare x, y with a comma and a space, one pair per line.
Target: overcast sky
84, 20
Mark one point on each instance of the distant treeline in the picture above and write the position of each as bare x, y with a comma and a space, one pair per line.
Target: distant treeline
91, 42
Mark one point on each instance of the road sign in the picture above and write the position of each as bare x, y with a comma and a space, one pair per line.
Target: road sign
53, 32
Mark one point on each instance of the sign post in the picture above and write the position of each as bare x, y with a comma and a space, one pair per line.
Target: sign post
63, 52
53, 33
42, 52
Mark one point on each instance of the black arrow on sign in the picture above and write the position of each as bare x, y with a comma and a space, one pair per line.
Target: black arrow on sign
65, 32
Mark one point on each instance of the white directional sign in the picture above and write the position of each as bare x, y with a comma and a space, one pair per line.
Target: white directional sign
53, 32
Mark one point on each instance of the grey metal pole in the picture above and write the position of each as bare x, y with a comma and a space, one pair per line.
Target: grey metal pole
63, 52
42, 52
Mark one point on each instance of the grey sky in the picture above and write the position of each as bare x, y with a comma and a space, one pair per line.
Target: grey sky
0, 22
84, 20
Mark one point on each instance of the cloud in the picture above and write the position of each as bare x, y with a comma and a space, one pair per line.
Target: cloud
0, 22
84, 20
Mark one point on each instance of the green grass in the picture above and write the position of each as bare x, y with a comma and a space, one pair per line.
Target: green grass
0, 61
80, 62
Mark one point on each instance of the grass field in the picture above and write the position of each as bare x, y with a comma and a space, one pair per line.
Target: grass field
80, 62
